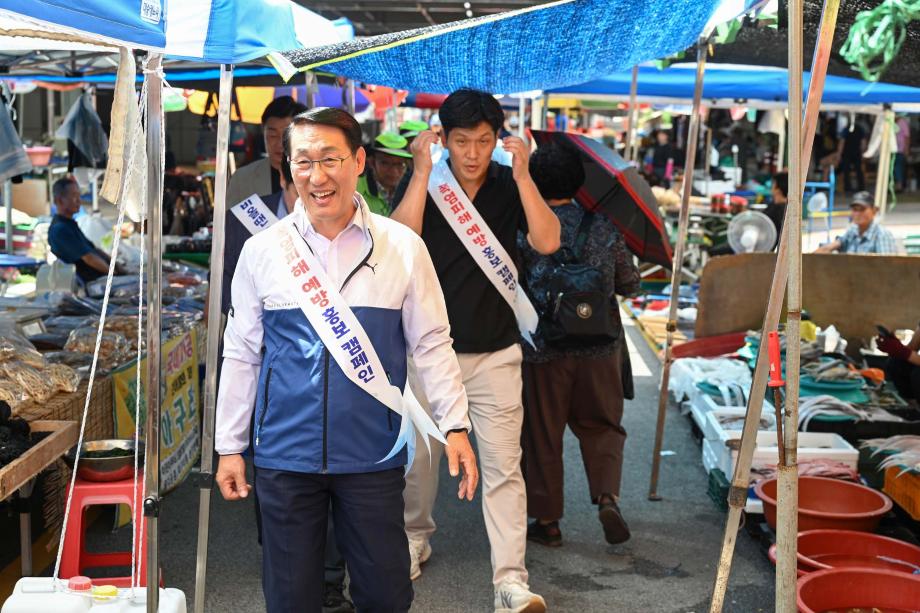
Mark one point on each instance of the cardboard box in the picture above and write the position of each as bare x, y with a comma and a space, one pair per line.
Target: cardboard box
31, 197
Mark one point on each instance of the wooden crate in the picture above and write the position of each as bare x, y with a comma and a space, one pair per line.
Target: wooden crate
63, 435
100, 422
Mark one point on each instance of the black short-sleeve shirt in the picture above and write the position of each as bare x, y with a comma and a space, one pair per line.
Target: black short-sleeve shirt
480, 319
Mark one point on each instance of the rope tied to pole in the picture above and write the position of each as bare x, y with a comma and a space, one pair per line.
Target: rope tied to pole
877, 35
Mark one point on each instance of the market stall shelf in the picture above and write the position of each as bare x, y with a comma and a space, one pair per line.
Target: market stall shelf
62, 435
69, 407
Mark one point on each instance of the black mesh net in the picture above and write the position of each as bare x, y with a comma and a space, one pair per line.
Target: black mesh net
764, 46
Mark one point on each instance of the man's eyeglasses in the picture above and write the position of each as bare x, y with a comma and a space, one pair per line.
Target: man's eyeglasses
304, 166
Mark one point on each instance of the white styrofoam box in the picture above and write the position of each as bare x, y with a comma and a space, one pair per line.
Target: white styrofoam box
698, 414
812, 446
705, 412
711, 456
713, 428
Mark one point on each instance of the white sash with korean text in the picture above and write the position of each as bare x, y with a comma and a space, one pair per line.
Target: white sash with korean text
345, 338
482, 244
254, 214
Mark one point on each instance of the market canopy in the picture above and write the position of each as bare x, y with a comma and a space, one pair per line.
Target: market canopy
731, 85
551, 45
764, 45
214, 31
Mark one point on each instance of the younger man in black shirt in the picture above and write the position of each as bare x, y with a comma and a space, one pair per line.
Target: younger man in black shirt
483, 322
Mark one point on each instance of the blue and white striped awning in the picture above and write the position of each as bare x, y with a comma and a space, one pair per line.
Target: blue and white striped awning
214, 31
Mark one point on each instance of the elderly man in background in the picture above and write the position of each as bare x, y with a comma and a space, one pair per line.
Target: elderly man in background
66, 239
865, 234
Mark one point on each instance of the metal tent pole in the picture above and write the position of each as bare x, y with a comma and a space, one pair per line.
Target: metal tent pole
310, 82
522, 109
350, 95
677, 264
154, 303
206, 475
629, 152
737, 497
8, 206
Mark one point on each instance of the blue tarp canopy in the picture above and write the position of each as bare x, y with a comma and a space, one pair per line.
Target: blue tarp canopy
213, 31
730, 85
540, 47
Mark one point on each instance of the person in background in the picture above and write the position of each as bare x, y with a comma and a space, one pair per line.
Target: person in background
66, 239
903, 367
865, 234
901, 158
662, 151
387, 162
264, 176
578, 386
850, 149
482, 321
411, 128
776, 210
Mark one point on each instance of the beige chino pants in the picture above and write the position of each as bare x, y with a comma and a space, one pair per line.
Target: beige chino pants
493, 385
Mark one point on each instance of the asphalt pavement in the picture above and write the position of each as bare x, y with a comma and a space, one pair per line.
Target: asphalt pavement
668, 565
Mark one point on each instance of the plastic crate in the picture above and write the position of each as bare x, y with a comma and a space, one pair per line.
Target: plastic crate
904, 488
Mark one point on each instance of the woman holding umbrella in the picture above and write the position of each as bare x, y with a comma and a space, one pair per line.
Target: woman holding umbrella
574, 375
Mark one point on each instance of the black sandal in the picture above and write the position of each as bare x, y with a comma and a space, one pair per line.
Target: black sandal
548, 535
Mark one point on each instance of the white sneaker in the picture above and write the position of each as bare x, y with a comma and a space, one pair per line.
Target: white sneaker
515, 597
419, 552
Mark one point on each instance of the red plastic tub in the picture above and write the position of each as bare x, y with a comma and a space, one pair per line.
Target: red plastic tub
823, 549
829, 504
844, 589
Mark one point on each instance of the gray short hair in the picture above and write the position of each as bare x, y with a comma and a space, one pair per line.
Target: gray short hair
57, 190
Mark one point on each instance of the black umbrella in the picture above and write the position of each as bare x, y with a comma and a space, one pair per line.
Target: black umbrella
615, 187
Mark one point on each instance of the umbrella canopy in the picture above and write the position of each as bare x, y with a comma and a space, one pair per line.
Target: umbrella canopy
615, 187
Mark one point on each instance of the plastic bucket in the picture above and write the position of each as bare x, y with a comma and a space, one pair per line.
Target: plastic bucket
823, 549
843, 589
829, 504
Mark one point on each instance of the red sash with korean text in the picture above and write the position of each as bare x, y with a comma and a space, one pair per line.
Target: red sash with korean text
482, 245
344, 337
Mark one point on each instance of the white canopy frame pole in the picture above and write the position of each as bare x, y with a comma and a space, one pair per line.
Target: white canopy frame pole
155, 144
737, 495
883, 176
631, 150
215, 316
678, 263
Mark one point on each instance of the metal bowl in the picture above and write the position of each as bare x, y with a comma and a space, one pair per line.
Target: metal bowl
106, 469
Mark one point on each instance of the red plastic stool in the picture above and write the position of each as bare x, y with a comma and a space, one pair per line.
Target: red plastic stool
75, 559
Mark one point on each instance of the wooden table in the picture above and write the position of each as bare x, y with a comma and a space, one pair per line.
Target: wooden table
18, 477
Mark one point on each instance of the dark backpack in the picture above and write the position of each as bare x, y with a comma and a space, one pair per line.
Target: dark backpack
578, 311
